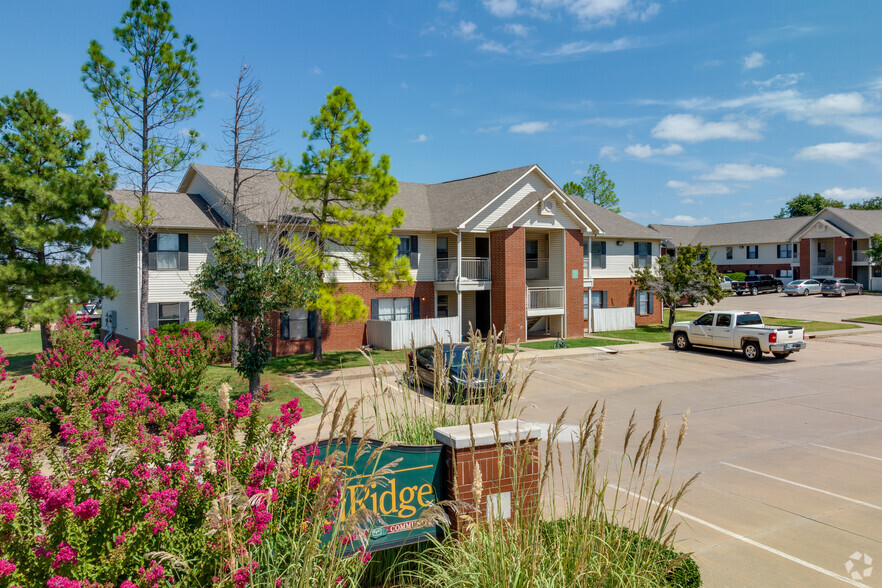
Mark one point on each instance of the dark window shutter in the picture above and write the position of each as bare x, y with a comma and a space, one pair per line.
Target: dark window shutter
603, 264
151, 252
375, 309
152, 315
310, 323
284, 327
414, 252
651, 303
185, 312
183, 252
415, 308
603, 300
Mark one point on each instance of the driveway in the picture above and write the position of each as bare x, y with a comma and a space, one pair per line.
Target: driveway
814, 307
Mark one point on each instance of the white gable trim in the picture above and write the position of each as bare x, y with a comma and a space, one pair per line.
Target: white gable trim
814, 223
585, 227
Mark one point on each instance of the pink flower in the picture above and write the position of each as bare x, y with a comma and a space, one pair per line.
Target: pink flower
241, 577
6, 567
243, 406
57, 501
290, 416
66, 555
39, 487
62, 582
128, 584
87, 509
8, 512
188, 426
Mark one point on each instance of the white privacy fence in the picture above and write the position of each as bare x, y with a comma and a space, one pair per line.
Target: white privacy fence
398, 334
612, 319
876, 284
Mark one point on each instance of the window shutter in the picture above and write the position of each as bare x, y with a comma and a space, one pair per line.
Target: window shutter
151, 253
414, 252
651, 305
603, 264
152, 315
284, 326
375, 309
183, 252
185, 312
310, 323
603, 299
415, 308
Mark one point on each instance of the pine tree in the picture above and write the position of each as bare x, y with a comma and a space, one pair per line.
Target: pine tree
341, 194
139, 106
52, 211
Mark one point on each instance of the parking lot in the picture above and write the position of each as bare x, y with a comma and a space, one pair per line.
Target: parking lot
814, 307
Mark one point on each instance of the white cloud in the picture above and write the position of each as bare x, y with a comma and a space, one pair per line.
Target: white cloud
838, 151
692, 129
849, 193
218, 94
493, 47
466, 29
315, 70
581, 47
447, 5
421, 139
687, 201
707, 189
779, 81
839, 104
754, 60
501, 8
609, 152
518, 30
66, 119
529, 128
685, 219
644, 151
494, 129
742, 172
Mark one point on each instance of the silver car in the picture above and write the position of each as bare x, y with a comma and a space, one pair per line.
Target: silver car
802, 287
840, 287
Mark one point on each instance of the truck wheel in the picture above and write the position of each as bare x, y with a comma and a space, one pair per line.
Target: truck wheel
752, 351
780, 355
842, 293
779, 288
681, 342
754, 291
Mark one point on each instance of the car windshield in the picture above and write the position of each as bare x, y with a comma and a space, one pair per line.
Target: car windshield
456, 357
831, 282
748, 319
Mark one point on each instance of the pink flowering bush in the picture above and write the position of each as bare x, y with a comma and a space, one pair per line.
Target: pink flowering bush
124, 496
174, 365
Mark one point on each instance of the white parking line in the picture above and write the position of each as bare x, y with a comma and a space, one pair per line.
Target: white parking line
577, 385
848, 452
744, 539
833, 494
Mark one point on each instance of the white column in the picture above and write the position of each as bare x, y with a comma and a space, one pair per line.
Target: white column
459, 275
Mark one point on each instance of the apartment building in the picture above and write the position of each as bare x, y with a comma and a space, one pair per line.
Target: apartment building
508, 250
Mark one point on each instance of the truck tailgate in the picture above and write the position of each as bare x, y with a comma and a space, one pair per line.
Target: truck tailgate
787, 334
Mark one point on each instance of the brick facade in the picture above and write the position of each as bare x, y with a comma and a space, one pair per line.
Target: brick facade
126, 343
622, 292
805, 259
336, 337
842, 257
574, 285
508, 272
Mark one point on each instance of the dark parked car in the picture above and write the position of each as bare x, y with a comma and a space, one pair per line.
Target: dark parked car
840, 287
455, 370
755, 284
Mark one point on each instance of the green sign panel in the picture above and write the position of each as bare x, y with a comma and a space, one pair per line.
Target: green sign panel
414, 484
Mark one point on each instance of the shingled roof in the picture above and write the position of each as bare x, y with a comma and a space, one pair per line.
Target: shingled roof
773, 230
868, 222
174, 210
613, 224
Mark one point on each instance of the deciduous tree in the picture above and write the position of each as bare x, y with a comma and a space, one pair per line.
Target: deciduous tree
596, 187
240, 284
874, 203
689, 274
140, 106
52, 204
875, 251
341, 193
808, 205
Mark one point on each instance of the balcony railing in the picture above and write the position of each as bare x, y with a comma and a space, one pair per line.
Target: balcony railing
544, 298
822, 270
537, 269
473, 268
860, 256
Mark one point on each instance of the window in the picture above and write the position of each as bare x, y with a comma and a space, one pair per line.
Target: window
441, 247
586, 304
531, 248
598, 299
169, 313
784, 251
785, 273
751, 272
705, 320
598, 254
724, 320
644, 303
642, 253
822, 249
752, 251
586, 254
795, 250
443, 305
295, 324
167, 251
407, 247
728, 252
395, 309
748, 319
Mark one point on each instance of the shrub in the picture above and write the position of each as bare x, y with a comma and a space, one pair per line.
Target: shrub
214, 337
737, 276
174, 365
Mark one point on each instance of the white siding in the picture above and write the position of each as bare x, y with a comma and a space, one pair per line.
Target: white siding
425, 271
169, 286
119, 268
469, 312
211, 195
766, 253
401, 334
620, 258
560, 220
533, 182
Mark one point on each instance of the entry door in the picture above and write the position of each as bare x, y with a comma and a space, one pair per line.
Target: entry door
482, 311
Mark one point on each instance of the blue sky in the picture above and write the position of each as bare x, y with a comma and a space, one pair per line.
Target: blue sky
700, 111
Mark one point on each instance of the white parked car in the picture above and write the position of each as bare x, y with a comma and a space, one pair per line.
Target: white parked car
738, 329
802, 287
726, 283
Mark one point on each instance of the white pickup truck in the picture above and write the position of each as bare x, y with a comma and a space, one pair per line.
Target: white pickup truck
738, 329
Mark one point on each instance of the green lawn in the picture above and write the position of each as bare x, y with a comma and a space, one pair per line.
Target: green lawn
869, 319
571, 343
333, 360
650, 333
809, 326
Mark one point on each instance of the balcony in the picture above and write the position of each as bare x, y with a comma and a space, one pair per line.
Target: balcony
860, 257
544, 301
474, 269
822, 271
537, 269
